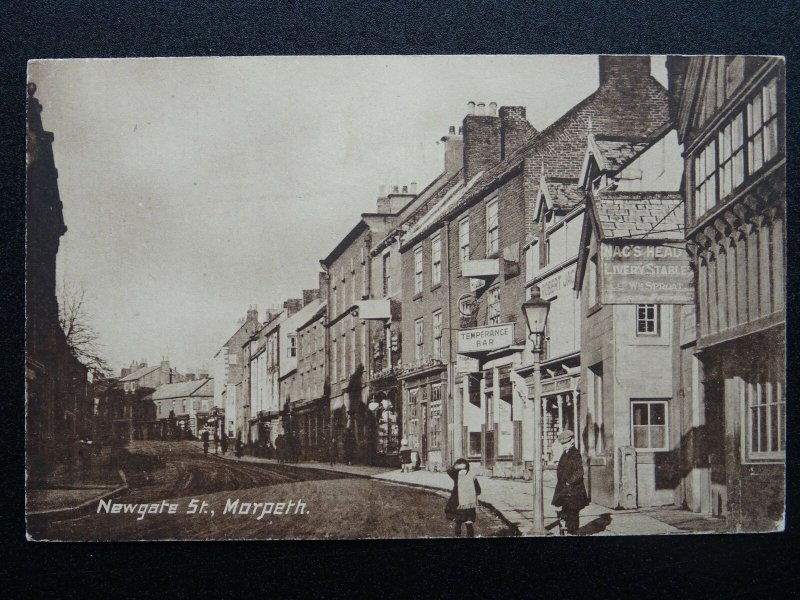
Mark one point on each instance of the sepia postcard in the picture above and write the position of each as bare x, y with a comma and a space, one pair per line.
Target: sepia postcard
355, 297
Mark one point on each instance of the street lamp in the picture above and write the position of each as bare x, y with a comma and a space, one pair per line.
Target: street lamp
536, 310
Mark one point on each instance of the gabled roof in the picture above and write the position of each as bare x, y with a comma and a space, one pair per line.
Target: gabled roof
184, 389
139, 373
557, 193
639, 215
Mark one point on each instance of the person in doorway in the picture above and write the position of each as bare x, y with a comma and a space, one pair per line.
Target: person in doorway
570, 494
461, 507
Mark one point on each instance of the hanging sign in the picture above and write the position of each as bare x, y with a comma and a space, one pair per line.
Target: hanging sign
485, 339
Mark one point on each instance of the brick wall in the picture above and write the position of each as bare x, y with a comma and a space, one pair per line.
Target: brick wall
481, 144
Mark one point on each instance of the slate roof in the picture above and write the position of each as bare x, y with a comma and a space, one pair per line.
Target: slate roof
564, 193
184, 389
139, 373
617, 153
640, 215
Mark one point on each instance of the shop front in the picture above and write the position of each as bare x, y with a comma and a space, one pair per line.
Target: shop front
386, 406
424, 419
560, 408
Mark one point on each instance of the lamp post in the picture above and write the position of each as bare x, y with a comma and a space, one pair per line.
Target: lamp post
536, 310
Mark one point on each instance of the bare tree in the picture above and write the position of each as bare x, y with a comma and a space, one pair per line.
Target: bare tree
82, 338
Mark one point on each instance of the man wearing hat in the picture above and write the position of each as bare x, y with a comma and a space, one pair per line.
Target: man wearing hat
570, 493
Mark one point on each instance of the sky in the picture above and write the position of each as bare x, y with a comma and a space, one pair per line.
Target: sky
196, 187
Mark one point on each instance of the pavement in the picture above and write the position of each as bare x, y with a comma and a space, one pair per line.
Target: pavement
513, 499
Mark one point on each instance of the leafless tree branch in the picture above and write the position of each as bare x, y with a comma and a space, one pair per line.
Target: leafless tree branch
82, 338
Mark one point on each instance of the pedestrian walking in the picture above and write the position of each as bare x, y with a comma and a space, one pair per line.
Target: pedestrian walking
238, 448
405, 456
279, 448
205, 442
216, 443
570, 494
333, 450
461, 507
223, 442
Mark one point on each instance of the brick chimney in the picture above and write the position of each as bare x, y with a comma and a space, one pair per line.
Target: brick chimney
482, 149
453, 150
514, 129
309, 296
618, 69
396, 199
292, 305
252, 313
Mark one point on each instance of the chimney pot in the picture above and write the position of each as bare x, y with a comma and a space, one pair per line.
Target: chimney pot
460, 130
413, 187
493, 109
470, 108
395, 189
481, 109
452, 129
405, 189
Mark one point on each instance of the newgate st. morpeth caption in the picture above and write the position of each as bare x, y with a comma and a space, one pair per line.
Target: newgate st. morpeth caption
567, 319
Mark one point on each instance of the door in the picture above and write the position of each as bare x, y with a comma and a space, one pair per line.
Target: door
424, 433
714, 445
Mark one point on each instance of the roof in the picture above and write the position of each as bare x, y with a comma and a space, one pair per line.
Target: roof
444, 199
184, 389
634, 111
139, 373
641, 215
558, 193
615, 153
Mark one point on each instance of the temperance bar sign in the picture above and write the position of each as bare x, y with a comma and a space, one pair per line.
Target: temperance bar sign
646, 273
485, 339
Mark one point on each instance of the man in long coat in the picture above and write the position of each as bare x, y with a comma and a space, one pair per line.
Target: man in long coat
570, 492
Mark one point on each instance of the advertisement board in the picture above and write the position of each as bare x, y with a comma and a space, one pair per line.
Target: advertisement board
485, 339
645, 273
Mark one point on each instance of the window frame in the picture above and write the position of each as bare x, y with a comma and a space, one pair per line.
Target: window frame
291, 350
765, 384
418, 284
650, 402
419, 338
496, 318
436, 260
437, 334
387, 275
655, 319
492, 228
464, 252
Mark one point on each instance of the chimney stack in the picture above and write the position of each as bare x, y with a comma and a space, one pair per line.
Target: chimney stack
309, 296
482, 143
292, 305
252, 313
453, 150
514, 129
622, 69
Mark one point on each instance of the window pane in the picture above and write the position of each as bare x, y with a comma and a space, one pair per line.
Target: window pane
640, 437
770, 99
756, 115
771, 139
782, 426
640, 414
754, 429
773, 426
657, 414
762, 429
658, 437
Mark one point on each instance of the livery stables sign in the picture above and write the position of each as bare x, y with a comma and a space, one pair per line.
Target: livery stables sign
642, 273
485, 339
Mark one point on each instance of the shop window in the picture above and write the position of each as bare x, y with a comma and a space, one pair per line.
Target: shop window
766, 417
463, 240
649, 424
292, 349
493, 306
436, 260
418, 271
647, 319
474, 443
492, 228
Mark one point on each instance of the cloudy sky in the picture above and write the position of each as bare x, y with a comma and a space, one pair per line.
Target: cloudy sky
194, 187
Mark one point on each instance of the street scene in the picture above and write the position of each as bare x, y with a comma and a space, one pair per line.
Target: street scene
568, 319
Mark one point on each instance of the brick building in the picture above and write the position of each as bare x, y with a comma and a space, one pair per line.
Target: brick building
729, 113
229, 368
487, 226
189, 403
311, 410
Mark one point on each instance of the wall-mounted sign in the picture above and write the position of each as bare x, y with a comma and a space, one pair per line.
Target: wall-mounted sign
645, 273
550, 286
485, 339
466, 364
